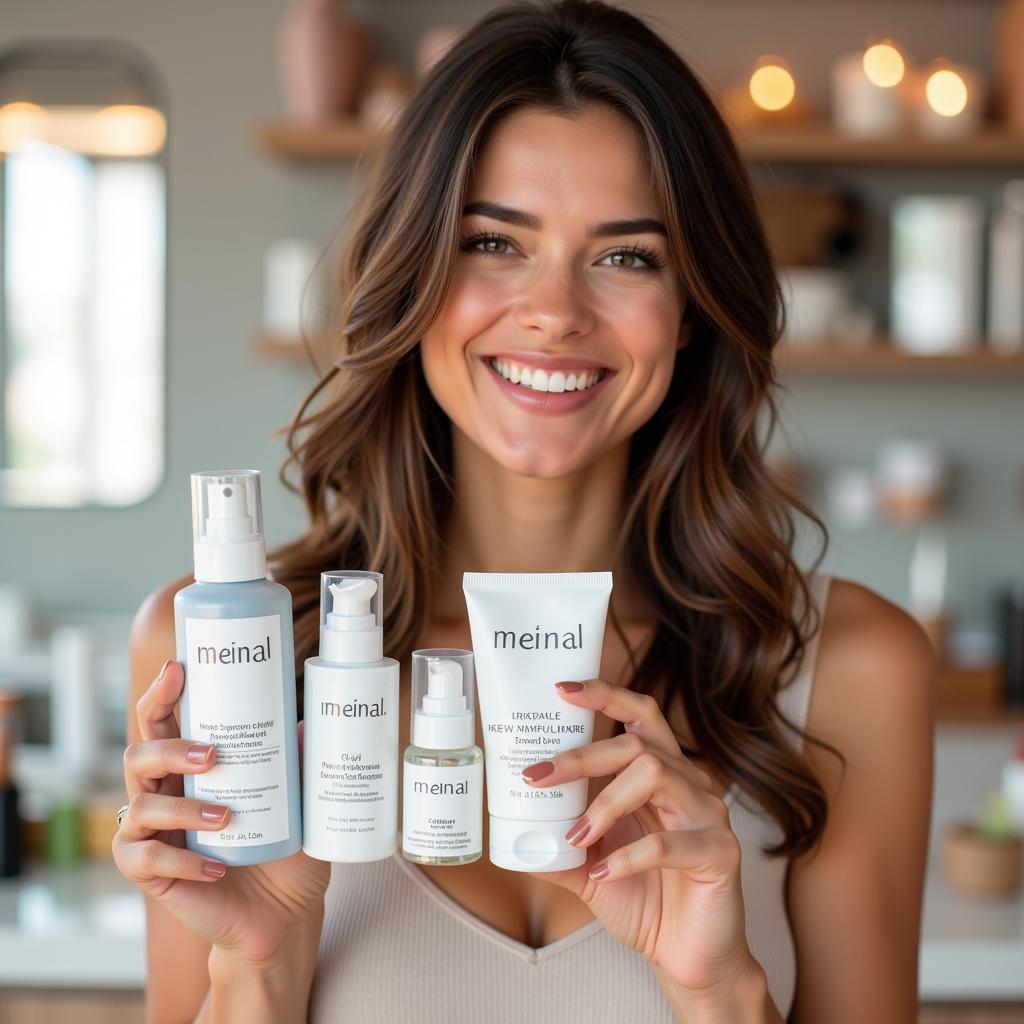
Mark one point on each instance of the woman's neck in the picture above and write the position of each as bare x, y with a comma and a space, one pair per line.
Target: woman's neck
502, 522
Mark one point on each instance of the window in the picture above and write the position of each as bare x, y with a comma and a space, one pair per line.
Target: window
82, 266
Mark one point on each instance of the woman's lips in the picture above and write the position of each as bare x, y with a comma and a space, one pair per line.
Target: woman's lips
550, 402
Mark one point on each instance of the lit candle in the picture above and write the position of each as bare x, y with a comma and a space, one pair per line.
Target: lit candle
949, 100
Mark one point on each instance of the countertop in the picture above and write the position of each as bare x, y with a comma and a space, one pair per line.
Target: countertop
83, 927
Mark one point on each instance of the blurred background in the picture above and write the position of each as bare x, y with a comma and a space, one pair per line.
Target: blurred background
175, 185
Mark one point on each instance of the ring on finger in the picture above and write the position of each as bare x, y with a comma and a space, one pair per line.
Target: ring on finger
121, 813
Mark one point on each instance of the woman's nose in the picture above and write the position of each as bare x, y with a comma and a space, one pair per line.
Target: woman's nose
554, 303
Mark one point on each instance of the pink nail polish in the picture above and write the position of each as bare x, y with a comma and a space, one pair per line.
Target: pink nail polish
198, 753
599, 871
163, 670
570, 686
538, 771
578, 831
214, 812
214, 869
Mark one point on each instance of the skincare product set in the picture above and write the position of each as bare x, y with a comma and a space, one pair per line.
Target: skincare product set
233, 631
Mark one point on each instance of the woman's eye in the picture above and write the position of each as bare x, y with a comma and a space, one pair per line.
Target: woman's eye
489, 245
634, 259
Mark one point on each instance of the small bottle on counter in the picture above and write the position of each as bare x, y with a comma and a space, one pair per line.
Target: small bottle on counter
1013, 787
10, 822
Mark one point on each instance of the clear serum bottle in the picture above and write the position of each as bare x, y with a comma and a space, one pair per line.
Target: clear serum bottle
350, 753
443, 770
233, 631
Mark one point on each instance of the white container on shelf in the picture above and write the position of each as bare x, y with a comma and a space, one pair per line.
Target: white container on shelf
1006, 273
936, 272
289, 286
861, 108
76, 729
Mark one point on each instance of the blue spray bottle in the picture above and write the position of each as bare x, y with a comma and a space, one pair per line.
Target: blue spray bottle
233, 629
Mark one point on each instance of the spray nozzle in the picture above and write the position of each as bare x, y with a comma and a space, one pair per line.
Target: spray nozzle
229, 518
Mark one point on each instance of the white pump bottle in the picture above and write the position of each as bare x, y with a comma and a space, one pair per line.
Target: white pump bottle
350, 756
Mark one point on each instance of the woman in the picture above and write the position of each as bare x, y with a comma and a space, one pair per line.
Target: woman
557, 354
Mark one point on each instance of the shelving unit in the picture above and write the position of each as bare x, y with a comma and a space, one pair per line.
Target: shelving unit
349, 139
878, 359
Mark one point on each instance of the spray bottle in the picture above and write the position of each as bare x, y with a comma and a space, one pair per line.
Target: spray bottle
233, 629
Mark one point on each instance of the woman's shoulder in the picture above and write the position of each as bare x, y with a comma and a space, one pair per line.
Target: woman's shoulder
151, 641
875, 674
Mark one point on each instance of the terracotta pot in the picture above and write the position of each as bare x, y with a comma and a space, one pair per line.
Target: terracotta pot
980, 865
323, 56
1009, 66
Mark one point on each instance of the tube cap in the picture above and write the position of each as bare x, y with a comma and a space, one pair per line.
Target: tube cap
533, 845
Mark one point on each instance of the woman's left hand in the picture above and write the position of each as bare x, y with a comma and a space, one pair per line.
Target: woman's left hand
664, 873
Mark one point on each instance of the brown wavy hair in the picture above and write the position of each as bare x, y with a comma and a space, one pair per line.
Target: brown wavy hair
707, 526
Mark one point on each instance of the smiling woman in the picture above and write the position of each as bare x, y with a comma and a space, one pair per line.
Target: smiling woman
555, 355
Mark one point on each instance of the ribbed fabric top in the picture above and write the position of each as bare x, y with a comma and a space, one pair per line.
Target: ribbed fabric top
396, 949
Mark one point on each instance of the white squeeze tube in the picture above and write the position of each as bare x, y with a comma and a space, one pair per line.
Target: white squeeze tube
530, 631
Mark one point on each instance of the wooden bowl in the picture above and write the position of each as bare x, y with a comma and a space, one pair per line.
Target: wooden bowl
977, 864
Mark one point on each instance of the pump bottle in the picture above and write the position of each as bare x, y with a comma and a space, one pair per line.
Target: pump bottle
233, 629
443, 770
350, 756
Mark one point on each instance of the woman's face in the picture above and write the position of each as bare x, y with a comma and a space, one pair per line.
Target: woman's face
558, 338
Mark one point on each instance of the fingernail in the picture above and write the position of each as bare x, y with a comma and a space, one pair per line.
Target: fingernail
578, 831
569, 687
538, 770
599, 871
198, 753
164, 669
214, 812
214, 869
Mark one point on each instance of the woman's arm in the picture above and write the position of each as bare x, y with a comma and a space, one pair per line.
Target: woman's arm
855, 901
187, 977
177, 979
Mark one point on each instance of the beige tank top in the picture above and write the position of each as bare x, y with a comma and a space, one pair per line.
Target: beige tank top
396, 949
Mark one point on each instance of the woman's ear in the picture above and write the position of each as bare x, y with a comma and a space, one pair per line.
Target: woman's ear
685, 330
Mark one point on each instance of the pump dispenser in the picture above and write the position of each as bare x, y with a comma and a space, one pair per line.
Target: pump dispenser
442, 792
351, 726
233, 630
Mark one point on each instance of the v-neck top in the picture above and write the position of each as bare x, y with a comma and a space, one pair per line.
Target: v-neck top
397, 949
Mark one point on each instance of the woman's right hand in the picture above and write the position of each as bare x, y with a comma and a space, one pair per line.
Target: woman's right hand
248, 913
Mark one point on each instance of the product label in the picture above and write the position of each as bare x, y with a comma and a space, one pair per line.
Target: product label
352, 745
235, 681
442, 810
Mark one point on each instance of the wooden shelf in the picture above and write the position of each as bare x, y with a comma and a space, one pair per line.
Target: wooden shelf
878, 360
821, 145
348, 139
337, 140
882, 359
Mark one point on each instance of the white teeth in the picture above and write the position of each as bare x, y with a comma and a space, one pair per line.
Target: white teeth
540, 380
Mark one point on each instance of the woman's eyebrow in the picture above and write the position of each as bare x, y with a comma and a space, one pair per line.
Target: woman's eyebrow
522, 219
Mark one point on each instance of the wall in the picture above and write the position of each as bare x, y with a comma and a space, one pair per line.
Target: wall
227, 203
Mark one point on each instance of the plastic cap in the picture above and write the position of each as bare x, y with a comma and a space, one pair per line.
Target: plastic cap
533, 845
227, 526
442, 699
351, 618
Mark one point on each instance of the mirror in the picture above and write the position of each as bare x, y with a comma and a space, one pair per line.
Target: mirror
83, 213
